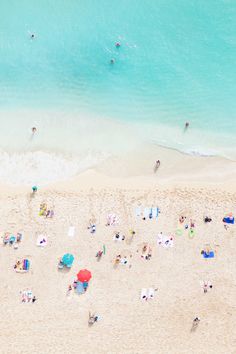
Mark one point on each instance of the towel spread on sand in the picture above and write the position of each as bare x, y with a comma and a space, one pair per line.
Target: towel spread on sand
165, 241
71, 231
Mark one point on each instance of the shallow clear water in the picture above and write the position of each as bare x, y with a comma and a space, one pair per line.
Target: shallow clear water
176, 63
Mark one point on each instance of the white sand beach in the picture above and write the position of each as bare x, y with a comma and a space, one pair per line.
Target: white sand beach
58, 323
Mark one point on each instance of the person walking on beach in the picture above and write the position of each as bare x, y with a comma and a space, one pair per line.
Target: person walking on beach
195, 323
157, 165
34, 189
92, 319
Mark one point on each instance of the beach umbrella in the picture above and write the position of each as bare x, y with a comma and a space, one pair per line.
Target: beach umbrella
68, 259
84, 275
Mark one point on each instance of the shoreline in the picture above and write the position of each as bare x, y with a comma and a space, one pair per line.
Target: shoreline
135, 168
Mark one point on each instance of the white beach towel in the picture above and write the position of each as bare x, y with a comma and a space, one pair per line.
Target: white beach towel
165, 241
71, 231
41, 241
151, 292
112, 219
123, 261
138, 212
144, 294
120, 238
168, 242
146, 212
159, 238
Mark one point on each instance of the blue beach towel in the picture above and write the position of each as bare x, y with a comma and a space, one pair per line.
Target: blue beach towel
210, 255
228, 220
79, 288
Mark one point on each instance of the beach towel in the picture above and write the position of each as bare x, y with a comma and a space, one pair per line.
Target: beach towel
26, 296
146, 212
23, 266
112, 219
123, 261
210, 255
138, 212
118, 237
41, 241
165, 241
151, 292
191, 233
71, 231
229, 220
26, 264
155, 213
144, 294
79, 288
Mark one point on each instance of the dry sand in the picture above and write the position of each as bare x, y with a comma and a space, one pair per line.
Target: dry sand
57, 323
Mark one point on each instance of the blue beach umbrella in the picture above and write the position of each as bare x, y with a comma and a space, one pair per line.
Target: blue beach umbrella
68, 259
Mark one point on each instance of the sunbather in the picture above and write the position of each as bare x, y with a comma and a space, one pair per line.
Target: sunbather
18, 237
182, 219
207, 219
92, 226
117, 259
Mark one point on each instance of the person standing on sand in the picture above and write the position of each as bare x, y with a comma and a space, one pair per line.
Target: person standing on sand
34, 189
196, 322
157, 165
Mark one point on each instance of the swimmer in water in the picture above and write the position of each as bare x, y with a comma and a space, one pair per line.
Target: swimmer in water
34, 130
32, 36
117, 44
112, 61
186, 126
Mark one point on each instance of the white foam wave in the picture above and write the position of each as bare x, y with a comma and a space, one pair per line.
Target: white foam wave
41, 168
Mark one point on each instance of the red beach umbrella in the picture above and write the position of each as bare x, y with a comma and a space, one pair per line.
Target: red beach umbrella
84, 275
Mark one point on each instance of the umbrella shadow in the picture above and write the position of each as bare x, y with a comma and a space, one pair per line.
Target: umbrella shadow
63, 270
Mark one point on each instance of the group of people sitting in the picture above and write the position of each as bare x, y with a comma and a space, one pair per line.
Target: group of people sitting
11, 239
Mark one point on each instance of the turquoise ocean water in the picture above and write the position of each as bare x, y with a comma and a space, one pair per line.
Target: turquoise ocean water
176, 63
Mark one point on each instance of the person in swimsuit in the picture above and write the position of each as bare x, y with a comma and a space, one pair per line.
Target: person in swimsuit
186, 126
157, 165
